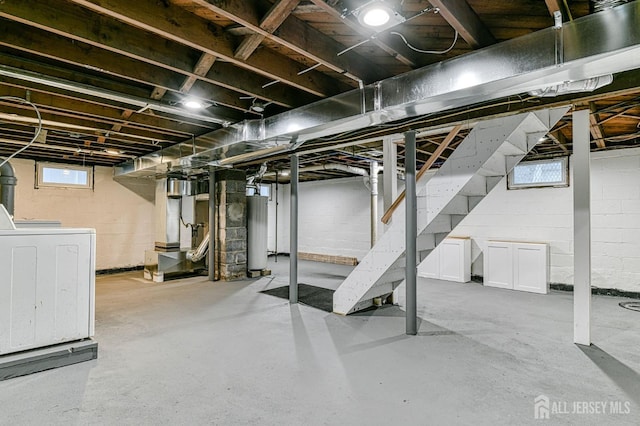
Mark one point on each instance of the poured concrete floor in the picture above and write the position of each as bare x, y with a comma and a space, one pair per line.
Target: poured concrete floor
195, 352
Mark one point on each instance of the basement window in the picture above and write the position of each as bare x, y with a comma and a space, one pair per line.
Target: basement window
63, 176
265, 191
540, 173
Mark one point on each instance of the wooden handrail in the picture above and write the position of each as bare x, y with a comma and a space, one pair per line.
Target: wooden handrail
426, 166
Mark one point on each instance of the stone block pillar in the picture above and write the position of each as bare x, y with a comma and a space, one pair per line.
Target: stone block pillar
231, 247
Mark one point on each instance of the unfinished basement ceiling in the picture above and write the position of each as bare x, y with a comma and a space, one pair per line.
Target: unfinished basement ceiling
142, 59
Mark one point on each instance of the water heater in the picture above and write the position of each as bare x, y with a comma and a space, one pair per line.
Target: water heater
257, 232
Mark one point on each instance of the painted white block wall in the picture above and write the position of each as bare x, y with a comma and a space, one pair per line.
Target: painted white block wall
334, 219
124, 221
546, 215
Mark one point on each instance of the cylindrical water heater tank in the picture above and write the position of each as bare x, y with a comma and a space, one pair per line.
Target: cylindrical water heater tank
257, 232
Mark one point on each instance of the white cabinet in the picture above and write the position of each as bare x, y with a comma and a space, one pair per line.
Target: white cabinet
498, 264
517, 266
47, 287
450, 261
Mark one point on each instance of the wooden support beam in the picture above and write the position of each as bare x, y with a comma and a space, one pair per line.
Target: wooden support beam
201, 69
249, 44
559, 5
594, 126
270, 22
466, 21
426, 166
158, 93
172, 22
622, 113
294, 34
560, 140
126, 114
39, 42
89, 128
77, 23
87, 108
396, 50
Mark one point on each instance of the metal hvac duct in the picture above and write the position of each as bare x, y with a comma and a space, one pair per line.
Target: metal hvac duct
600, 5
330, 166
603, 43
8, 183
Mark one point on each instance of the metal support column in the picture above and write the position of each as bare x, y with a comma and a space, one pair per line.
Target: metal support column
212, 223
293, 232
411, 231
276, 221
373, 183
581, 229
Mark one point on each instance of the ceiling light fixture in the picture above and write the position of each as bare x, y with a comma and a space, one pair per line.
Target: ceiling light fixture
378, 16
258, 106
193, 103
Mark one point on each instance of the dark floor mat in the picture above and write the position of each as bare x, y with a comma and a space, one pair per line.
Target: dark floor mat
316, 297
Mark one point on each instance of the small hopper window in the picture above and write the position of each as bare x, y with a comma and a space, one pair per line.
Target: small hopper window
64, 176
541, 173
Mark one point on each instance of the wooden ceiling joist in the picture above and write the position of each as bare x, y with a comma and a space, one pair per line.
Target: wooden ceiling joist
132, 46
174, 23
294, 34
596, 130
393, 48
269, 23
465, 21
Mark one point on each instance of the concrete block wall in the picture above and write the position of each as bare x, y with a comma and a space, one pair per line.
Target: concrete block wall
124, 220
546, 215
231, 246
334, 219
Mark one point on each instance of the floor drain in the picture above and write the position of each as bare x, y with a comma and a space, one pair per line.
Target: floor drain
634, 306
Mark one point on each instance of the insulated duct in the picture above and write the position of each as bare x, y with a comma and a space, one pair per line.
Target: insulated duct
588, 85
8, 183
322, 167
600, 5
595, 45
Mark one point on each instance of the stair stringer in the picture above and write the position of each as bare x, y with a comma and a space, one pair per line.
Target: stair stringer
491, 149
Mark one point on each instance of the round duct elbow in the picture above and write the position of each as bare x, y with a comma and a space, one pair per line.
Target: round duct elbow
579, 86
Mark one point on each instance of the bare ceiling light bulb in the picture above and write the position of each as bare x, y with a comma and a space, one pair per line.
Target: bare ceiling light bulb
193, 104
258, 106
376, 17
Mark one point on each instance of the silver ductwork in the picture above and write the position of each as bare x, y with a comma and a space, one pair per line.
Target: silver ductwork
580, 86
593, 46
196, 255
600, 5
8, 183
322, 167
